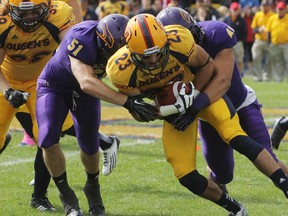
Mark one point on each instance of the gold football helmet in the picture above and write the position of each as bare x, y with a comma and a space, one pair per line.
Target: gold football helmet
146, 36
29, 14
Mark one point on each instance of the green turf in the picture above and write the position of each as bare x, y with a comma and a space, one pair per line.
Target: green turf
143, 183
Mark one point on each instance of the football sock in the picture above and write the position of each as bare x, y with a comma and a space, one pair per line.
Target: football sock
229, 203
280, 180
62, 184
105, 141
42, 176
92, 190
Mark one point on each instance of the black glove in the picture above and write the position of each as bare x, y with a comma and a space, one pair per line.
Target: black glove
16, 98
141, 110
184, 120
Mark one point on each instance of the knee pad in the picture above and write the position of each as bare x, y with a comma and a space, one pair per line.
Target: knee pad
194, 182
246, 146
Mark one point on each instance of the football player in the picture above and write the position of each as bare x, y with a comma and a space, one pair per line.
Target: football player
218, 40
154, 56
71, 81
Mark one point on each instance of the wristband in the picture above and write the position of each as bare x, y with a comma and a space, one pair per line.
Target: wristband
201, 101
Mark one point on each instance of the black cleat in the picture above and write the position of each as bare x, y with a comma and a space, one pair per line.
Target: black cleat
92, 192
70, 205
98, 210
42, 204
278, 133
7, 141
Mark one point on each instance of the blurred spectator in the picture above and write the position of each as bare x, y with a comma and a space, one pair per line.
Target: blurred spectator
88, 13
201, 15
223, 12
236, 21
112, 7
134, 7
213, 13
248, 17
260, 50
173, 3
157, 6
277, 28
147, 7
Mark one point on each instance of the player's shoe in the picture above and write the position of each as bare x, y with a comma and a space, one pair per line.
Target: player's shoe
93, 195
32, 182
26, 140
97, 211
110, 157
243, 212
278, 133
7, 141
70, 205
42, 204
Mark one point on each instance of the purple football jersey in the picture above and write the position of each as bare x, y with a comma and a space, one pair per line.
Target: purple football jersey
220, 36
83, 35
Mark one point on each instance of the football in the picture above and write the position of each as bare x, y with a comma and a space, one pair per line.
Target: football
166, 95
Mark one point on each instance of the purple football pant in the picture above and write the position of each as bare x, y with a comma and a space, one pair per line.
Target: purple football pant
219, 156
52, 106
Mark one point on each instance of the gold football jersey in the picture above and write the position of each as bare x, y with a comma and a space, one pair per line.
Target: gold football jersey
28, 53
125, 75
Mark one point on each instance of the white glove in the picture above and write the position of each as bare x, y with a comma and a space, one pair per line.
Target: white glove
184, 99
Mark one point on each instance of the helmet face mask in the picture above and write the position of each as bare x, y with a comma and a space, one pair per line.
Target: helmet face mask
147, 40
155, 67
110, 32
29, 15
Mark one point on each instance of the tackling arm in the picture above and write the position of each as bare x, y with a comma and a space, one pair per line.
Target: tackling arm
221, 81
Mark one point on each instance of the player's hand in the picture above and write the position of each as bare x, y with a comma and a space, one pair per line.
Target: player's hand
141, 110
184, 99
16, 98
185, 119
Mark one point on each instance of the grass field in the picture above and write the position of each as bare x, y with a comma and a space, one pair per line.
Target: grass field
143, 183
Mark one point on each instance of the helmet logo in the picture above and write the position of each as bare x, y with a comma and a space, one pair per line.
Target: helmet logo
185, 16
106, 36
128, 34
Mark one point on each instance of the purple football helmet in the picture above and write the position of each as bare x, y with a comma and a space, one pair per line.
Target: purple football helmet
178, 16
110, 31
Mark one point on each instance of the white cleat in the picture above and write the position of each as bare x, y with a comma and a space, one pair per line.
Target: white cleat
110, 157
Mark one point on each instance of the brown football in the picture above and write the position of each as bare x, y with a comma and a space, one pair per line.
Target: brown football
166, 96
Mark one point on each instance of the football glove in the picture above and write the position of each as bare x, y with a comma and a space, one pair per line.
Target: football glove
185, 119
184, 99
141, 110
16, 98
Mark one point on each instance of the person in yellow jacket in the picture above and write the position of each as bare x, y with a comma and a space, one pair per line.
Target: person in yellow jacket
277, 28
260, 46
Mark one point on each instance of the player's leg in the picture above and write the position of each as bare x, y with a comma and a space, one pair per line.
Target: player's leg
108, 144
218, 155
50, 120
7, 113
252, 122
87, 121
228, 127
180, 152
24, 118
